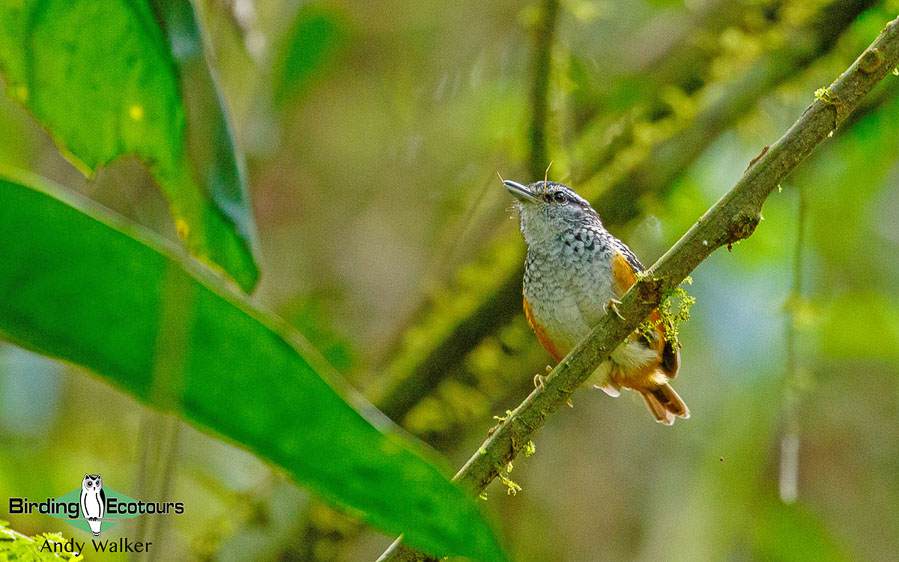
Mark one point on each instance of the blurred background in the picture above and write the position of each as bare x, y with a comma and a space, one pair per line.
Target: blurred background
374, 132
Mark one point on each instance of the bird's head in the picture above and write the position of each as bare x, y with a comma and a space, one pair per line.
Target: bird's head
549, 209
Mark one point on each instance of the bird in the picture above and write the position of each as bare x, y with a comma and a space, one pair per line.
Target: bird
575, 271
93, 502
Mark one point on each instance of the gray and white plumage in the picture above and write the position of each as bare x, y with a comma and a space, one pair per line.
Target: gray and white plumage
573, 270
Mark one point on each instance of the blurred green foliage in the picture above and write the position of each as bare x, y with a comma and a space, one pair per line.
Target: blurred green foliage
381, 221
113, 89
311, 47
120, 304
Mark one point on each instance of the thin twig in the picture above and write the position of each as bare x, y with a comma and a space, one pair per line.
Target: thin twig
733, 218
160, 439
167, 479
541, 67
789, 444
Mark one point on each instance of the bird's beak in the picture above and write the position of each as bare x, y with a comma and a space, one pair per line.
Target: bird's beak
520, 192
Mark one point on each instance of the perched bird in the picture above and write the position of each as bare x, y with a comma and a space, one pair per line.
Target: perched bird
575, 271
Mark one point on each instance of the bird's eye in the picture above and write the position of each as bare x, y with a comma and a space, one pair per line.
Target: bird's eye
560, 197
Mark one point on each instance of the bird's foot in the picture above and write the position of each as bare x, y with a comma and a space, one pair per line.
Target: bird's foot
613, 306
540, 379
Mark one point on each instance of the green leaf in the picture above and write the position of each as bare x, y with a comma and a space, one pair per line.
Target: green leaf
100, 75
312, 315
312, 45
81, 285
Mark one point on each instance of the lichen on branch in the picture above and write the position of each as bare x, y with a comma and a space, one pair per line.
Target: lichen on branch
674, 310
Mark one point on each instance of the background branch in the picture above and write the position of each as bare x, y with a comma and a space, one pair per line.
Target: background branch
668, 159
541, 67
733, 218
789, 444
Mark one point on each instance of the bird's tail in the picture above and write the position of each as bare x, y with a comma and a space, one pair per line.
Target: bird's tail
664, 404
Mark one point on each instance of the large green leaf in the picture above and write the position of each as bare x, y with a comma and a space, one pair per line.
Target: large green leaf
101, 76
79, 284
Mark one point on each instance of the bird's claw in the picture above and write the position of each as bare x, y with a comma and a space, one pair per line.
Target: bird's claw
613, 306
539, 379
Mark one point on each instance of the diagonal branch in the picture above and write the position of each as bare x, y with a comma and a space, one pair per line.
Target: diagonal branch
419, 369
733, 218
670, 158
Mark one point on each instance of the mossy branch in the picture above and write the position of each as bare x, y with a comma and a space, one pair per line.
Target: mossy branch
417, 371
733, 218
671, 157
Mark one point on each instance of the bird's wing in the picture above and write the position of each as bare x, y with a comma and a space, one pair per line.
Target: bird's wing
625, 267
624, 274
544, 339
629, 256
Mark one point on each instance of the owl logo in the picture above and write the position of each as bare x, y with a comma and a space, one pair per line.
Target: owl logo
93, 502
